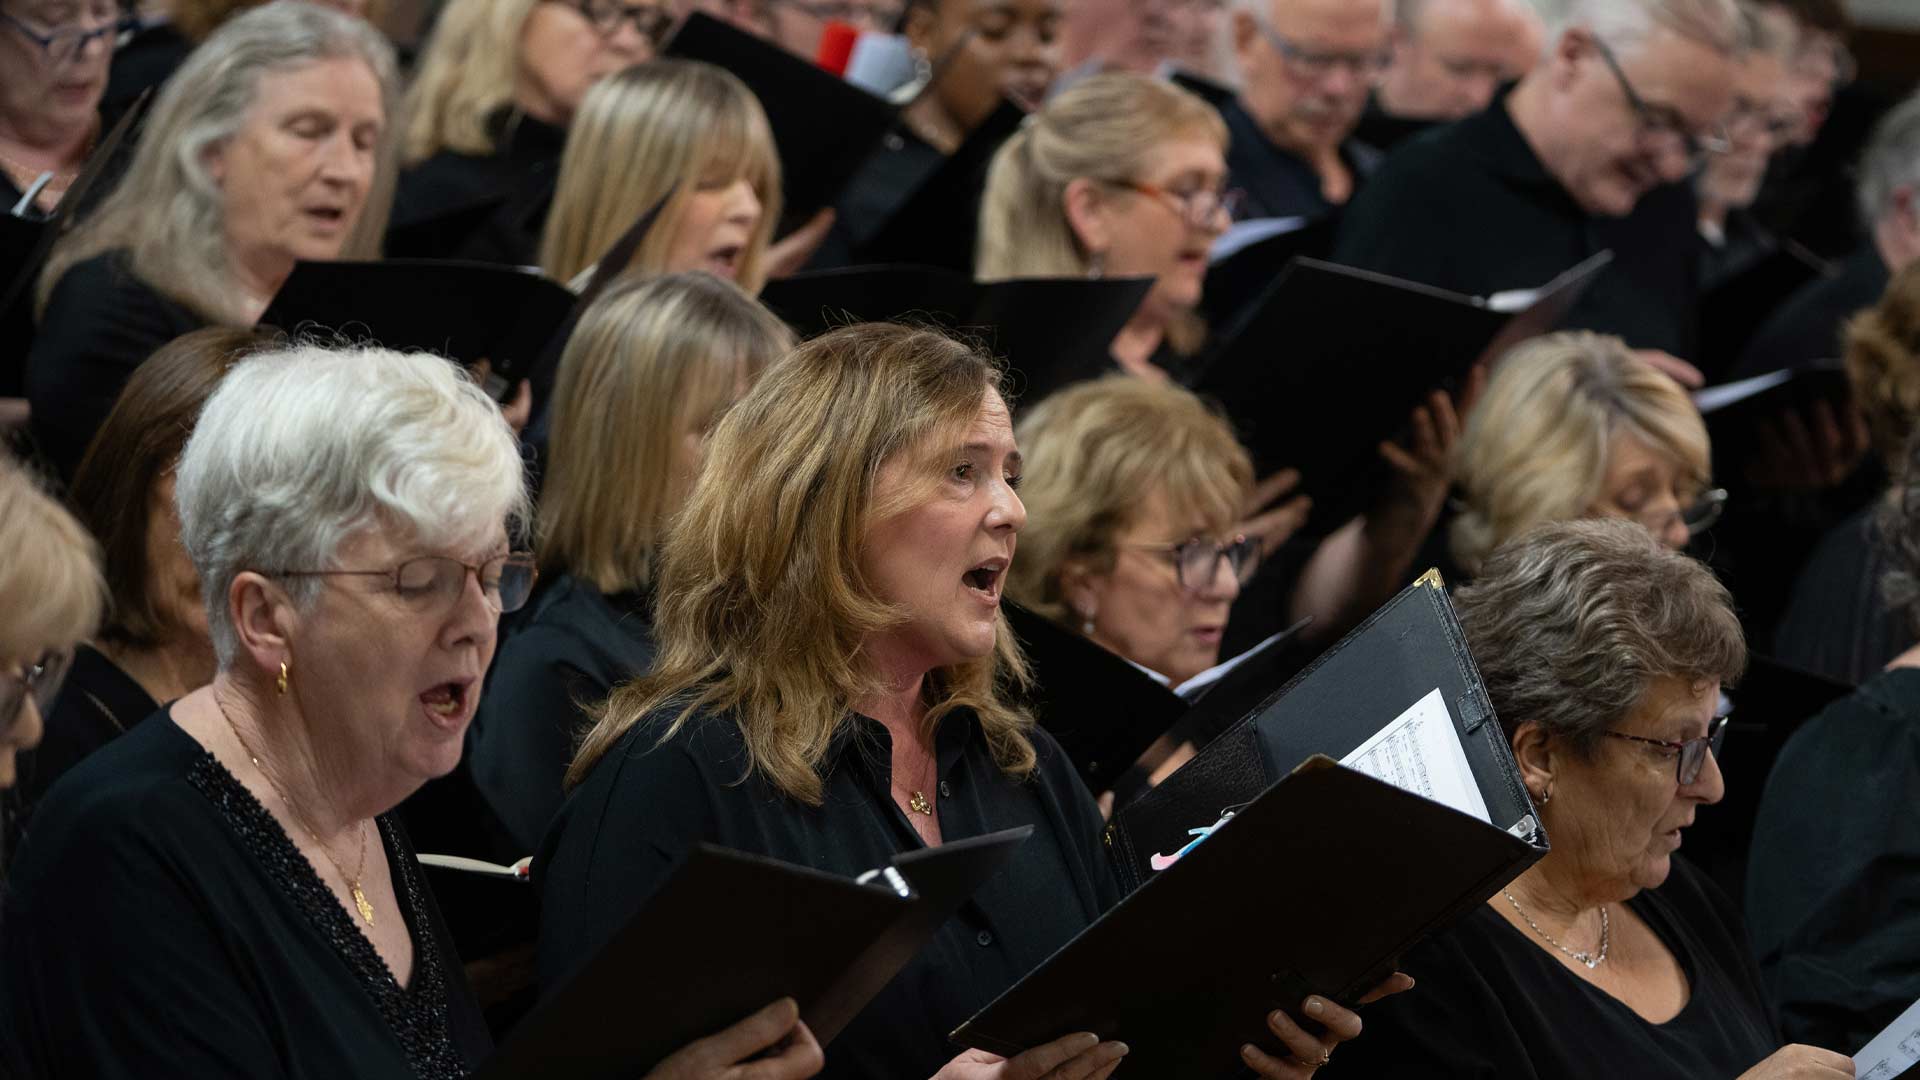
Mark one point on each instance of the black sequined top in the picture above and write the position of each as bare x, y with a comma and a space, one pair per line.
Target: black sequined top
159, 922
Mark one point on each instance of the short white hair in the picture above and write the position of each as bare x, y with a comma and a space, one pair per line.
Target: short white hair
1891, 160
303, 447
1623, 24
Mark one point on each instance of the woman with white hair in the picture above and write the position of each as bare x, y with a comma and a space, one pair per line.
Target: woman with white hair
267, 147
224, 890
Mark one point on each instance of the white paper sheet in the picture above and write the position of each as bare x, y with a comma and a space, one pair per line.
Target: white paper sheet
1892, 1051
1715, 398
1421, 752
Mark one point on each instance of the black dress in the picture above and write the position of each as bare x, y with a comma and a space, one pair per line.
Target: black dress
1278, 182
486, 207
98, 703
1809, 327
101, 323
158, 923
643, 806
569, 651
1471, 208
1490, 1002
1833, 886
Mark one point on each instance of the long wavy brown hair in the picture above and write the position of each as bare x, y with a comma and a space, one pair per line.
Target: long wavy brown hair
764, 606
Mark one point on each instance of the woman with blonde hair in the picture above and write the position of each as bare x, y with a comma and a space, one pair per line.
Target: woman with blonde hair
677, 128
1120, 175
269, 146
52, 592
646, 376
487, 113
832, 690
1575, 425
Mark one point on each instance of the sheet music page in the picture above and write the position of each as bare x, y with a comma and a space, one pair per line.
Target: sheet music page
1421, 752
1892, 1051
1243, 234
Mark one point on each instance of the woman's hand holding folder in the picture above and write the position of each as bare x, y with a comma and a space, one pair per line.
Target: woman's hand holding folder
1311, 1051
1080, 1056
734, 1053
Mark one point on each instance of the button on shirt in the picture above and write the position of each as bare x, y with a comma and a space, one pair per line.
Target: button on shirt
643, 806
1471, 208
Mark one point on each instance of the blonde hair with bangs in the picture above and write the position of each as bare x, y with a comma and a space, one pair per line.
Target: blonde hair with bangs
651, 360
466, 74
50, 582
764, 606
665, 125
1094, 452
1535, 448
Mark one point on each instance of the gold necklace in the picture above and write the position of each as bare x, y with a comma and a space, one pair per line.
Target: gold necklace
919, 804
353, 880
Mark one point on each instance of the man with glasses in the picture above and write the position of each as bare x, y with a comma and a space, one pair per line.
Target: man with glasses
1760, 124
1586, 153
1449, 56
1307, 68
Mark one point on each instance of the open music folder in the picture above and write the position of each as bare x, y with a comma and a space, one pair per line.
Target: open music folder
728, 934
1348, 816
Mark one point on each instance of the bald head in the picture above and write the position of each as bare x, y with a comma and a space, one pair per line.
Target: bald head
1451, 55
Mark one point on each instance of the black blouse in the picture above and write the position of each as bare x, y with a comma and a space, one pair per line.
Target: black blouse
488, 207
643, 806
101, 323
1833, 886
1491, 1002
569, 651
159, 923
98, 703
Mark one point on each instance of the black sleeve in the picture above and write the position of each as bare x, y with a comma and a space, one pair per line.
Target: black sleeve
127, 972
529, 720
100, 324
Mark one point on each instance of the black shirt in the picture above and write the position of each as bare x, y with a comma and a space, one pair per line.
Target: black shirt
1470, 207
1837, 624
489, 207
101, 323
1491, 1003
1809, 328
573, 646
621, 832
1384, 130
158, 923
1833, 886
1278, 182
97, 704
145, 62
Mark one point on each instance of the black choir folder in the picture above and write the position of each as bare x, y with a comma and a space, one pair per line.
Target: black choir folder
729, 934
1332, 360
1320, 880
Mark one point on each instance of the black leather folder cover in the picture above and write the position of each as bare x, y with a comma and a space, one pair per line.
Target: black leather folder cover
1738, 426
1317, 885
939, 223
465, 311
1236, 283
823, 126
1333, 360
730, 933
1732, 310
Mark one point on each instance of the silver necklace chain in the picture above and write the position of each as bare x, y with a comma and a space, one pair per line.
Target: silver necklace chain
1590, 959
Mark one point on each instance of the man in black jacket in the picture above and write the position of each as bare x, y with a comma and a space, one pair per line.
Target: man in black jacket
1588, 152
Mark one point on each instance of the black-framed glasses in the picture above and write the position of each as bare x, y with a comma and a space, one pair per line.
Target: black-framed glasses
1662, 123
1690, 756
41, 678
1196, 561
66, 42
434, 583
651, 21
1310, 63
1200, 207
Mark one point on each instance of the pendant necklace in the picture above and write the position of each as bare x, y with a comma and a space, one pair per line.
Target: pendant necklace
1590, 959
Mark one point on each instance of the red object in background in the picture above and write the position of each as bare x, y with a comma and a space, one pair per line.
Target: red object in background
836, 46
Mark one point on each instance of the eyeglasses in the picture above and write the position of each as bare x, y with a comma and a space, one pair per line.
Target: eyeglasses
1199, 208
1749, 118
1197, 561
66, 42
1692, 754
433, 584
1316, 64
1661, 123
42, 679
1698, 516
651, 21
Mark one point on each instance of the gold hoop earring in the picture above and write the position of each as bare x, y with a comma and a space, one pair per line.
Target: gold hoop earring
280, 684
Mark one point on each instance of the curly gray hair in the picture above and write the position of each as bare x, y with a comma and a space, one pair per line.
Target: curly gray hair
1572, 621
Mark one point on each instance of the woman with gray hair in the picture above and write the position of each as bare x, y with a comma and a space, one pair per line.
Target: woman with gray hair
1603, 653
224, 890
268, 146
